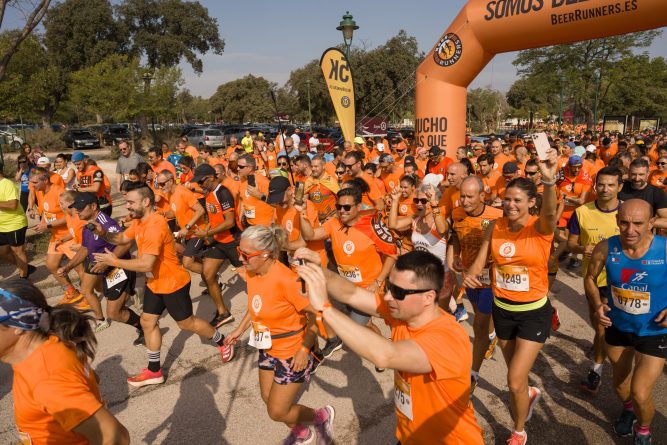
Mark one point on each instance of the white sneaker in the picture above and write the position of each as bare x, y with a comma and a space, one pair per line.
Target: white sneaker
101, 325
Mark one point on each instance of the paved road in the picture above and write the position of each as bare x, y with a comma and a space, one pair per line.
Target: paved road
206, 402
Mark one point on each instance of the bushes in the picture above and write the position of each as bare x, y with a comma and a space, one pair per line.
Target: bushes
46, 139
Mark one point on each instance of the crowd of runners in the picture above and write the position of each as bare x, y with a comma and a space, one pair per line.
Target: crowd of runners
330, 245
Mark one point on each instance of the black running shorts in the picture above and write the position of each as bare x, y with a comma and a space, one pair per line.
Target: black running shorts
653, 345
533, 325
178, 304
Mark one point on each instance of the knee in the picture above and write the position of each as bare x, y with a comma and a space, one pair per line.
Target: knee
277, 413
187, 324
113, 313
641, 395
147, 324
517, 384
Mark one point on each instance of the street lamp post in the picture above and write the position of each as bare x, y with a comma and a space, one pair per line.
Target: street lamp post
310, 117
469, 121
562, 80
598, 79
347, 26
148, 77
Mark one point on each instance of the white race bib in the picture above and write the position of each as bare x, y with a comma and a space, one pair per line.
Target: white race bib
115, 277
260, 337
513, 278
631, 301
351, 273
49, 217
249, 212
402, 396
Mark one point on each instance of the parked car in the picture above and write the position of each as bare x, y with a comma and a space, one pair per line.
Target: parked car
11, 138
115, 134
80, 138
206, 137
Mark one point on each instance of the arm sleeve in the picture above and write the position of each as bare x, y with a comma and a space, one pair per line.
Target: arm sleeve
225, 198
68, 398
98, 176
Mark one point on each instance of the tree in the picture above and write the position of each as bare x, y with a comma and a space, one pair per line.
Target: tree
190, 108
322, 110
165, 31
577, 63
487, 108
108, 89
33, 13
244, 100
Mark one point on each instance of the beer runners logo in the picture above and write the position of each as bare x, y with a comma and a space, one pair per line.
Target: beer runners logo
448, 50
348, 247
256, 304
345, 101
507, 250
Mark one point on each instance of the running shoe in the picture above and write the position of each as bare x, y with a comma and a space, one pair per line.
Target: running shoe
492, 348
82, 305
146, 377
642, 439
535, 395
331, 346
31, 270
380, 369
140, 340
101, 325
555, 320
70, 297
518, 439
461, 314
318, 359
221, 319
623, 426
592, 382
294, 438
325, 429
226, 353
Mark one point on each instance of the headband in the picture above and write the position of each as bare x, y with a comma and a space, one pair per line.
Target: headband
19, 313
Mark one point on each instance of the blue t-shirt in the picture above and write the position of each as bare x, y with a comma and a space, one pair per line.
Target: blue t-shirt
638, 287
95, 244
173, 159
25, 180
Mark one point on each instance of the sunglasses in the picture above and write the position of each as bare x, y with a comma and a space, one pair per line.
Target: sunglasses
398, 293
282, 164
531, 173
162, 184
349, 166
241, 166
247, 256
346, 207
340, 172
422, 201
661, 163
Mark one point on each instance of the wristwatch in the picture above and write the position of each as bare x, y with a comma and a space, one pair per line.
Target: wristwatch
263, 198
49, 226
188, 227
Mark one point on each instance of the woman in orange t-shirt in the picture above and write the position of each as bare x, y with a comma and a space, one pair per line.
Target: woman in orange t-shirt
56, 398
283, 332
658, 177
519, 244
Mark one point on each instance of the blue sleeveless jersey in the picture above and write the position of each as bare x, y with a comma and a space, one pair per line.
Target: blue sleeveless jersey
638, 288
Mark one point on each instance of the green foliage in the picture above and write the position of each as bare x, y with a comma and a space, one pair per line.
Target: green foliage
166, 31
487, 109
46, 138
541, 69
189, 108
244, 100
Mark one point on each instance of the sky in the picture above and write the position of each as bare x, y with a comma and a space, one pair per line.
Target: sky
271, 39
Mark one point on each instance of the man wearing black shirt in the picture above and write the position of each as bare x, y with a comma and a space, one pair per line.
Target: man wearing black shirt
638, 187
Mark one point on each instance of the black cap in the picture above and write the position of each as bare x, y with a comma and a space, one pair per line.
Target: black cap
606, 142
82, 200
409, 160
510, 167
434, 151
277, 188
202, 171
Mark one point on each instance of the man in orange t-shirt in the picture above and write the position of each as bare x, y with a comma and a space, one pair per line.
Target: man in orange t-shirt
390, 173
253, 190
429, 351
167, 282
91, 178
53, 220
498, 156
575, 187
321, 189
157, 163
354, 169
438, 162
489, 176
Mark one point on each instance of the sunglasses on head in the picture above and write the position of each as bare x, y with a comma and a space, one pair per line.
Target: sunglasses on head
346, 207
422, 201
398, 293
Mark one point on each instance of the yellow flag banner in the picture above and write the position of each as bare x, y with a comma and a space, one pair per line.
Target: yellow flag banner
338, 76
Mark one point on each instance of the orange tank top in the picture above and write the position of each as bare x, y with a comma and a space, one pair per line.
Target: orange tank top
520, 262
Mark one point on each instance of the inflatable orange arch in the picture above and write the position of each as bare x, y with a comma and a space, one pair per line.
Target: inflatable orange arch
485, 28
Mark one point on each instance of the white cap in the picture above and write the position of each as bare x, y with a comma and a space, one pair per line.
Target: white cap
591, 148
433, 179
43, 160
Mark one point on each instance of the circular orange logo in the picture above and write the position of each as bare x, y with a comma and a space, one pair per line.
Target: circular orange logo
448, 50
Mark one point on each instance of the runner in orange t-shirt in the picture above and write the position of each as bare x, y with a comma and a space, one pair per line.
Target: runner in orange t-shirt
167, 282
489, 176
91, 178
429, 351
320, 189
52, 219
519, 245
354, 169
575, 188
438, 162
55, 392
281, 318
253, 197
658, 177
